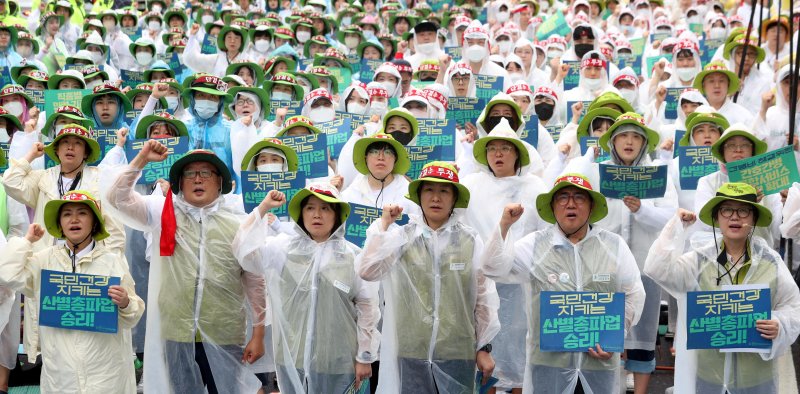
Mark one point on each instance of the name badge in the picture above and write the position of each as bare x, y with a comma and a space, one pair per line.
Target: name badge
341, 286
457, 266
601, 277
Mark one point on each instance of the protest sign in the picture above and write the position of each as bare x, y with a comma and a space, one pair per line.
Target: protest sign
421, 155
726, 319
464, 109
131, 78
530, 133
486, 86
638, 181
554, 24
438, 132
37, 96
77, 302
361, 216
312, 154
256, 185
671, 103
367, 69
573, 321
294, 108
58, 98
694, 162
772, 171
153, 171
594, 142
338, 131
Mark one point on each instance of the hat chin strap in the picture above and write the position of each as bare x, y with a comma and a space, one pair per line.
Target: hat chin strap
574, 232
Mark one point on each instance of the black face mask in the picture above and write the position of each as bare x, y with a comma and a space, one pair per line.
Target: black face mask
401, 137
492, 121
428, 79
582, 49
544, 111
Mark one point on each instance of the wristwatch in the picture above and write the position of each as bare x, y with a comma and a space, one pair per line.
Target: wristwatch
486, 348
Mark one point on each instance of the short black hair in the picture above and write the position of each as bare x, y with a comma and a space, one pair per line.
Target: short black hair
337, 212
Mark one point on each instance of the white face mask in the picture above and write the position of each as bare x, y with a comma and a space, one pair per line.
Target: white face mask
109, 25
504, 46
377, 108
205, 108
356, 108
24, 51
351, 42
144, 58
693, 19
97, 57
262, 45
207, 19
270, 167
592, 83
58, 128
419, 113
91, 85
4, 137
390, 87
428, 49
516, 76
717, 33
628, 94
554, 53
172, 102
503, 16
154, 25
157, 8
346, 21
303, 36
322, 114
14, 108
685, 73
476, 53
282, 96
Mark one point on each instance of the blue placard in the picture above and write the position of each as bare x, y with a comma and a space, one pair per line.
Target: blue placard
58, 98
294, 108
554, 24
355, 62
465, 109
530, 133
153, 171
77, 302
672, 103
651, 62
555, 131
367, 69
437, 132
726, 319
637, 181
694, 162
131, 117
37, 96
708, 48
454, 52
362, 389
312, 154
592, 142
659, 36
355, 119
586, 104
421, 155
361, 216
134, 33
573, 75
208, 47
5, 147
131, 78
574, 321
256, 185
630, 60
772, 171
338, 131
305, 63
486, 86
5, 76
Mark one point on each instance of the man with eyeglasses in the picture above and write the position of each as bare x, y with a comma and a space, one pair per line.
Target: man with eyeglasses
570, 255
197, 314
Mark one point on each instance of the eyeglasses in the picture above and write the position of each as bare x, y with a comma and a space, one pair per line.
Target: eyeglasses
205, 174
737, 147
461, 79
245, 101
494, 149
378, 151
562, 199
742, 213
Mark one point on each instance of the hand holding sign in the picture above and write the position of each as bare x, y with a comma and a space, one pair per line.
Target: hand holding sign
485, 364
35, 233
768, 328
391, 213
119, 296
632, 203
599, 353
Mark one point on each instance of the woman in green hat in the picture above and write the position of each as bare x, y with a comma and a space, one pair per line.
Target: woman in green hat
251, 73
139, 95
248, 111
270, 155
143, 51
314, 289
304, 30
75, 359
718, 84
315, 45
106, 106
738, 258
63, 116
66, 80
9, 125
595, 123
34, 80
754, 81
231, 42
435, 253
16, 102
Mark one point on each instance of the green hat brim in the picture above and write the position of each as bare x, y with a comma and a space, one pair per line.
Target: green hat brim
221, 38
310, 77
495, 101
319, 60
764, 214
463, 192
604, 100
16, 71
733, 80
176, 170
144, 124
261, 93
586, 122
401, 164
291, 156
48, 124
60, 23
697, 118
759, 147
294, 204
543, 203
268, 85
291, 64
407, 116
24, 96
479, 150
652, 136
86, 101
312, 129
52, 83
13, 119
148, 73
731, 46
257, 70
93, 145
363, 45
52, 208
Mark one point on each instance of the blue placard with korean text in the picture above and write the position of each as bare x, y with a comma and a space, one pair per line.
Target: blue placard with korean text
630, 60
726, 319
573, 75
153, 171
312, 154
58, 98
134, 33
586, 104
554, 131
486, 86
437, 132
355, 119
77, 302
131, 117
131, 78
256, 185
708, 48
594, 142
367, 69
361, 216
37, 96
293, 108
574, 321
530, 133
642, 182
671, 103
421, 155
175, 64
5, 147
694, 162
772, 171
5, 76
465, 109
651, 62
208, 47
338, 131
355, 62
454, 52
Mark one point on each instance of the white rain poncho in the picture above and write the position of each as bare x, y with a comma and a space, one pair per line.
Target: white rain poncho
77, 361
489, 196
324, 316
394, 192
539, 259
196, 297
705, 371
791, 221
440, 308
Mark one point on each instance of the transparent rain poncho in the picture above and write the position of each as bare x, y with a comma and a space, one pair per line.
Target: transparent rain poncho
541, 259
197, 295
710, 371
440, 308
324, 316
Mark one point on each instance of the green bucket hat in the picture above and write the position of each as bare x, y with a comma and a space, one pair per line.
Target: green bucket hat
52, 83
759, 147
53, 207
325, 193
502, 132
205, 83
405, 114
291, 64
12, 89
11, 30
332, 54
741, 40
735, 191
10, 118
499, 98
439, 172
142, 42
296, 121
43, 21
304, 22
103, 90
401, 164
249, 160
260, 93
258, 72
72, 113
158, 66
544, 201
585, 125
697, 118
130, 13
19, 70
40, 76
320, 40
611, 98
352, 29
241, 31
630, 118
194, 156
311, 78
717, 67
144, 125
166, 38
285, 79
92, 71
23, 35
176, 12
75, 130
143, 88
323, 72
284, 32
